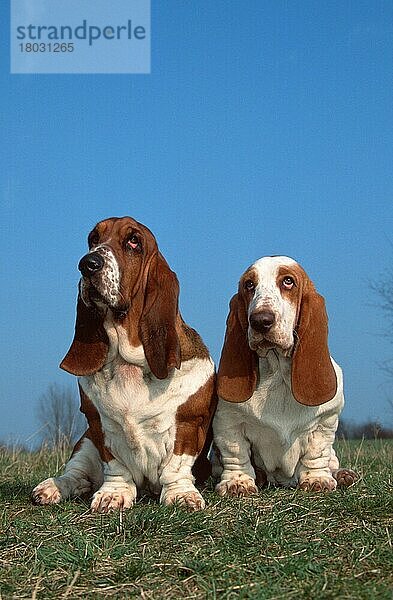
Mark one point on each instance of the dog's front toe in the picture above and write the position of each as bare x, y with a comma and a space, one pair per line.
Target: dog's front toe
46, 492
345, 477
318, 484
190, 499
238, 487
109, 501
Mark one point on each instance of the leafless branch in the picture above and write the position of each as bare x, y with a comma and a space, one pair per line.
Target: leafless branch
58, 413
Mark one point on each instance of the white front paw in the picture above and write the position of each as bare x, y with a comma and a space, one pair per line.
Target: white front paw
237, 486
323, 483
108, 499
46, 492
188, 498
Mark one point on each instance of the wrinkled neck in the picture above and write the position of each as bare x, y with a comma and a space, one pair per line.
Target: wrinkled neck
276, 364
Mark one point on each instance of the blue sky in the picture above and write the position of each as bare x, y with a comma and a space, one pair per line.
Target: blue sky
264, 128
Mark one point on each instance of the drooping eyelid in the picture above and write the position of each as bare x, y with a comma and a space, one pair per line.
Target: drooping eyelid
132, 234
249, 276
288, 276
247, 287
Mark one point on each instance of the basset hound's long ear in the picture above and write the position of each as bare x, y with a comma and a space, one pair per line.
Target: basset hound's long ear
314, 380
238, 369
89, 347
157, 326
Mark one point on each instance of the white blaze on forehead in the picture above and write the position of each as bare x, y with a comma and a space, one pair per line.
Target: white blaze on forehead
270, 264
267, 271
267, 296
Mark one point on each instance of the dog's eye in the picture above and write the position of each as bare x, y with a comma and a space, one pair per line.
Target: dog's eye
249, 285
133, 243
288, 283
93, 239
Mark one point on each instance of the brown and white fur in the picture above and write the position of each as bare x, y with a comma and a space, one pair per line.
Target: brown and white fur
280, 392
146, 379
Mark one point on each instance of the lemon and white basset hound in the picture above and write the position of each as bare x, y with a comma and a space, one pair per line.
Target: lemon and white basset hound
280, 392
146, 379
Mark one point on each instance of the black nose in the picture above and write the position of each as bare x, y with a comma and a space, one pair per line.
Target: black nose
262, 321
90, 263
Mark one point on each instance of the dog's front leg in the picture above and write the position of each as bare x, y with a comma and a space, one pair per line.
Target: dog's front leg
118, 490
238, 475
177, 483
314, 469
192, 425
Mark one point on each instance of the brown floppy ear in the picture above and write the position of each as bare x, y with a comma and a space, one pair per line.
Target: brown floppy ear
89, 347
238, 369
314, 380
157, 326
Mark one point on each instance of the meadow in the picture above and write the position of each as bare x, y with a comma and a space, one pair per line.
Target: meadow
280, 544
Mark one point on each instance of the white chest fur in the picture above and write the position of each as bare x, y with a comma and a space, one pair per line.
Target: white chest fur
137, 410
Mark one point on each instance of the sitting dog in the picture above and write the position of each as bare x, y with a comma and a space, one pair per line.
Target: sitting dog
280, 392
146, 379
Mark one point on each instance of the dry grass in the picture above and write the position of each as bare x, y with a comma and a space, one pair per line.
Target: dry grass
282, 544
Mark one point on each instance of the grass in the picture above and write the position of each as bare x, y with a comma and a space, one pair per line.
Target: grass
281, 544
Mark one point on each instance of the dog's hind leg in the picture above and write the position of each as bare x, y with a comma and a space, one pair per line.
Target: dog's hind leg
83, 475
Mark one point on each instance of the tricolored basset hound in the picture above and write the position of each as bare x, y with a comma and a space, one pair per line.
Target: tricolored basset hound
146, 379
280, 392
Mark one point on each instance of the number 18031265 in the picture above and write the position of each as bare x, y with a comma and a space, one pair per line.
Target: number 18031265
46, 47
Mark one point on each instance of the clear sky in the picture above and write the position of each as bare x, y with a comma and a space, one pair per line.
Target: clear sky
265, 127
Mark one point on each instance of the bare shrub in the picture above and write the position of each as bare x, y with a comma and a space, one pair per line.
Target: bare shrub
58, 413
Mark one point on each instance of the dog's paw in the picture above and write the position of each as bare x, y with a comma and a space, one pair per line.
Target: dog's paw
318, 484
345, 477
46, 492
105, 501
191, 500
237, 487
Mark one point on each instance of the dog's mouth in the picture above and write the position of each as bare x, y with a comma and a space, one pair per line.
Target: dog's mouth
94, 297
262, 346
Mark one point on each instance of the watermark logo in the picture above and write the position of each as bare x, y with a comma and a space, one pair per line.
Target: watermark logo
74, 36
